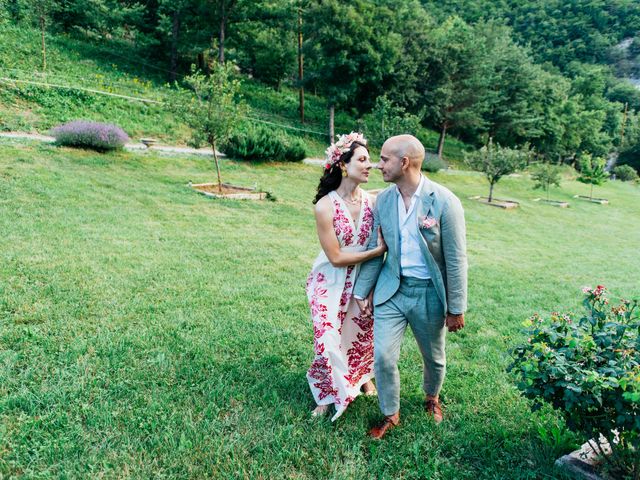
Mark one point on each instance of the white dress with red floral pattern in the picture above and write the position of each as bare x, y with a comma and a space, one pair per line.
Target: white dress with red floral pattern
343, 340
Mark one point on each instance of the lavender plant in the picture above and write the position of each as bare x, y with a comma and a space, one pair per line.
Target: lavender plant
95, 135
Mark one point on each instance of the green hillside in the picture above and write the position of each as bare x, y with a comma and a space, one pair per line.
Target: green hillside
121, 69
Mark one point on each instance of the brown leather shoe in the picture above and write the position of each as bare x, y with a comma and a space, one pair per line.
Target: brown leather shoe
379, 431
434, 408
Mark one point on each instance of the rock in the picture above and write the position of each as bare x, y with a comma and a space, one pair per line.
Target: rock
581, 463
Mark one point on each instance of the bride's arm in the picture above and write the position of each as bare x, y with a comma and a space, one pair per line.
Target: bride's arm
329, 241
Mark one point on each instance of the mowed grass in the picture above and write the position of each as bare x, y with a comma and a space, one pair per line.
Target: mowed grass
149, 332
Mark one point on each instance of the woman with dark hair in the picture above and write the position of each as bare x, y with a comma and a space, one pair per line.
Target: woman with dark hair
343, 338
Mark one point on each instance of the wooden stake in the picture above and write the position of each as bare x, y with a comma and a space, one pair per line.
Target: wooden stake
44, 45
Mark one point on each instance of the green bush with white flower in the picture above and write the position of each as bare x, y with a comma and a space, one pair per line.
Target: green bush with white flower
588, 368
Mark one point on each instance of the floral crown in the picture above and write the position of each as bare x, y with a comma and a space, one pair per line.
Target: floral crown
335, 150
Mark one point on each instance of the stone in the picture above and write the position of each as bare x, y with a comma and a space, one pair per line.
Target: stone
581, 463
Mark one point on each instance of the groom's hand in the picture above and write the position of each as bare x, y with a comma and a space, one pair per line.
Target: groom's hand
365, 306
454, 322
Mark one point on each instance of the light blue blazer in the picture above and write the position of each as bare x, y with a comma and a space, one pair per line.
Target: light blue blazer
444, 247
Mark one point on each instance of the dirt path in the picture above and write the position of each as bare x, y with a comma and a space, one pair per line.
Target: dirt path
131, 147
139, 147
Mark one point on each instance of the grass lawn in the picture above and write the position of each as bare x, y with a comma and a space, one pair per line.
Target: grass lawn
149, 332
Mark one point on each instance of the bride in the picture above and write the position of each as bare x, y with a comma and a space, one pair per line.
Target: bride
343, 338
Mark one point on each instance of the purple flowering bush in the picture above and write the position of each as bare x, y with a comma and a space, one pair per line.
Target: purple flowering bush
94, 135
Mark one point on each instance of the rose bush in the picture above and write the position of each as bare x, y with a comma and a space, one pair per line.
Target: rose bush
588, 368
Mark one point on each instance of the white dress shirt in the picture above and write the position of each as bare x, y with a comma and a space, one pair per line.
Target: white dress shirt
412, 263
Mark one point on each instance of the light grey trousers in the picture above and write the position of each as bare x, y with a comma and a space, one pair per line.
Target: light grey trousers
415, 303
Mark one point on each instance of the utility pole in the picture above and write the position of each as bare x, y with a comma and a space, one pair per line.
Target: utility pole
332, 130
624, 122
221, 33
300, 65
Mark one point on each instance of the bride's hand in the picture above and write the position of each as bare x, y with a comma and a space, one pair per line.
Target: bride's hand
382, 245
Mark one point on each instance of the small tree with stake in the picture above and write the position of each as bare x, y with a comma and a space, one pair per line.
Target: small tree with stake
496, 162
42, 10
545, 175
592, 172
211, 107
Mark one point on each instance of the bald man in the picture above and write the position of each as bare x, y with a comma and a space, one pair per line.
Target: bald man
422, 281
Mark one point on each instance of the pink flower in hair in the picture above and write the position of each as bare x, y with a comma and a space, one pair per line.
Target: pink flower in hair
335, 150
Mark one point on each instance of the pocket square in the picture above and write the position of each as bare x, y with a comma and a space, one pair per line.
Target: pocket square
428, 222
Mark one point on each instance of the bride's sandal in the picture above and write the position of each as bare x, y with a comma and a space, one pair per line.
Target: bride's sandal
319, 411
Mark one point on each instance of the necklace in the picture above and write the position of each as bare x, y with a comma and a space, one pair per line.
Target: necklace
351, 201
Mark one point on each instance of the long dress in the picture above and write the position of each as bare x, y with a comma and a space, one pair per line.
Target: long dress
343, 340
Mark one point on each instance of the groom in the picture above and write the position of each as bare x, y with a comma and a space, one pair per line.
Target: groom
422, 281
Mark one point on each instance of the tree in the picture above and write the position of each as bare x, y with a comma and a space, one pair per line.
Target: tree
211, 107
623, 91
455, 92
120, 18
572, 117
349, 50
547, 102
11, 9
300, 56
545, 175
43, 12
171, 17
406, 85
558, 31
197, 29
388, 119
514, 89
225, 9
592, 171
496, 162
266, 44
600, 119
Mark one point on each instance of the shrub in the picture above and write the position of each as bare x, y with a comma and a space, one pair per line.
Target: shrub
296, 150
433, 164
630, 156
94, 135
264, 144
588, 369
625, 173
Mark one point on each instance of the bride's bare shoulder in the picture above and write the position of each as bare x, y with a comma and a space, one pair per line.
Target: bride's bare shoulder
323, 206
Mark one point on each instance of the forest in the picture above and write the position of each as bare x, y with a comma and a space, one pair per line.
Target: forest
555, 76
